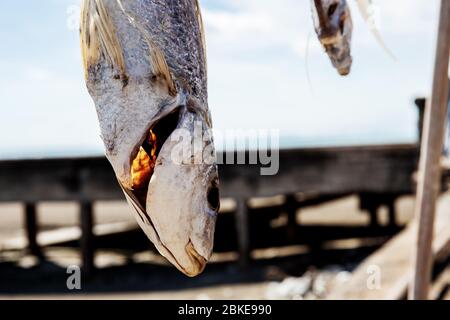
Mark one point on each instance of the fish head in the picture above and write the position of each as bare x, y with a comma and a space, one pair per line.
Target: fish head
175, 188
183, 193
156, 130
334, 27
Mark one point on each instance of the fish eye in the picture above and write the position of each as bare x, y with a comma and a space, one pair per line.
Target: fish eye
332, 9
214, 198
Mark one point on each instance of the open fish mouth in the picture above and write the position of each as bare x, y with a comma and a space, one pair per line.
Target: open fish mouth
144, 157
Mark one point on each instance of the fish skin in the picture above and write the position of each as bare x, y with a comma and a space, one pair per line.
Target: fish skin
176, 31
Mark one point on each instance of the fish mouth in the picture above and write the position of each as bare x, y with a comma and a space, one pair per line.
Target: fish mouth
340, 57
344, 71
144, 157
197, 261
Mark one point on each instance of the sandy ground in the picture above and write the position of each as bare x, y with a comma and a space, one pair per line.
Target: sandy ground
289, 273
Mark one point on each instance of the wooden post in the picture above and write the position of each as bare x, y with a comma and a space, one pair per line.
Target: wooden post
429, 177
420, 103
243, 232
31, 229
291, 207
392, 212
371, 203
87, 237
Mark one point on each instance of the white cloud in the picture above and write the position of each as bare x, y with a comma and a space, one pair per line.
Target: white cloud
48, 110
35, 73
257, 26
236, 24
407, 17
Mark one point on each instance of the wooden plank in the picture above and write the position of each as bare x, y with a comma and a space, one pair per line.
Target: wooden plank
80, 179
323, 171
67, 234
429, 169
381, 169
394, 261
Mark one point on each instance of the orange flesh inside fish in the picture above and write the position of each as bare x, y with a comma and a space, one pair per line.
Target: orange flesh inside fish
143, 166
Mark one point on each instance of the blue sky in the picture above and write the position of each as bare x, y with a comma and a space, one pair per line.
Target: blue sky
257, 75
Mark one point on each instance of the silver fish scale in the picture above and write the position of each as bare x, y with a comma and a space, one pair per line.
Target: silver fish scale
174, 28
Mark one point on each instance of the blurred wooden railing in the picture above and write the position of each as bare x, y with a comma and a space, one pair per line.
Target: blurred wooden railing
378, 174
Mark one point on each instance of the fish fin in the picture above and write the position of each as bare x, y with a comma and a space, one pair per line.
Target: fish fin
364, 8
160, 67
98, 36
201, 26
158, 62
